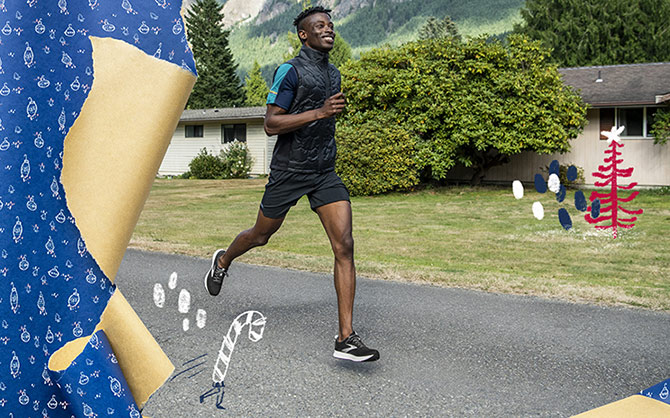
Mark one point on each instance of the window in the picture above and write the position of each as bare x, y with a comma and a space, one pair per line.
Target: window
606, 120
230, 133
637, 121
632, 119
193, 131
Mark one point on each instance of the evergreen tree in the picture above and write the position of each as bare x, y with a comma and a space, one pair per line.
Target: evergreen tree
435, 29
294, 45
218, 84
599, 32
255, 87
340, 54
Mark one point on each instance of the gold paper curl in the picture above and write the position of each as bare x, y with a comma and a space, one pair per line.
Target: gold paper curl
110, 159
633, 406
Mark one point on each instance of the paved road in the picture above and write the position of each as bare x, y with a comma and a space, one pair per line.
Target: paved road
444, 352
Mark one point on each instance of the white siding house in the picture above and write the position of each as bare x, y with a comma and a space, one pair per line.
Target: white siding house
616, 94
213, 129
622, 95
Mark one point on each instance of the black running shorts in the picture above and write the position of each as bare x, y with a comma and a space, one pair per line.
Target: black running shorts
285, 188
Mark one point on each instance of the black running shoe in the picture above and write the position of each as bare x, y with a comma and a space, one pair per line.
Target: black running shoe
215, 275
352, 348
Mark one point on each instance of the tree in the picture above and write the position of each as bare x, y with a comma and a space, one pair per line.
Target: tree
294, 45
474, 103
435, 29
338, 56
218, 84
661, 127
341, 52
611, 174
599, 32
255, 88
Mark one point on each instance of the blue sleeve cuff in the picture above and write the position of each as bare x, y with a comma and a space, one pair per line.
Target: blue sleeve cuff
283, 87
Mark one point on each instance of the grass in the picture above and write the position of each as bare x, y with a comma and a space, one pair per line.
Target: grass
476, 238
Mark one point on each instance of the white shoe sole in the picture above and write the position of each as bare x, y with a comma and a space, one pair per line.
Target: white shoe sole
351, 357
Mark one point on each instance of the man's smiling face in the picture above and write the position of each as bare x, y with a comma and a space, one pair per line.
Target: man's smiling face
317, 32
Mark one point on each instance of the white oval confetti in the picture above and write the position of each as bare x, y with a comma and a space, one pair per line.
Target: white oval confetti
538, 210
173, 280
554, 183
517, 189
184, 301
201, 318
159, 295
185, 324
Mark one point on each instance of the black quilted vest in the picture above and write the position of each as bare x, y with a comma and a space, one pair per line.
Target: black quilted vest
311, 148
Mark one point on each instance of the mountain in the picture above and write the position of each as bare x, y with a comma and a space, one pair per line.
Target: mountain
259, 27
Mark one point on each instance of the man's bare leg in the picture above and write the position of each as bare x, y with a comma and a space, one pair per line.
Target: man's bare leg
336, 220
256, 236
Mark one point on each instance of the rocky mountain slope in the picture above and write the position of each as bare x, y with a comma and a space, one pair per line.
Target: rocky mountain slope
259, 27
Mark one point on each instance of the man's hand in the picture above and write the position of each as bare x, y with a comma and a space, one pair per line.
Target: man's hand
333, 105
277, 121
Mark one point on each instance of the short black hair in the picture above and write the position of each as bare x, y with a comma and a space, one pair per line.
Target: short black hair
307, 12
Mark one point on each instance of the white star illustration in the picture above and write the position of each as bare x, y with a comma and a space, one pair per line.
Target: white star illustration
613, 134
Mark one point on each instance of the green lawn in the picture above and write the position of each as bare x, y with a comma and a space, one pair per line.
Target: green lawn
481, 238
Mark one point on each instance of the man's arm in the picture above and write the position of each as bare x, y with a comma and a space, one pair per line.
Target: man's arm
277, 121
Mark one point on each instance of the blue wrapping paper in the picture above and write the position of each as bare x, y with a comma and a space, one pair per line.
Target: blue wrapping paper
51, 289
94, 385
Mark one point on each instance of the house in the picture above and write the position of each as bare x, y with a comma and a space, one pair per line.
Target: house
213, 129
621, 95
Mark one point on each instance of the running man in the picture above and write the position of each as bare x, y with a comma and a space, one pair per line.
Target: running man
301, 108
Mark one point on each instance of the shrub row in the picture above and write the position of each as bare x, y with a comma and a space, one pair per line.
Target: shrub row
233, 162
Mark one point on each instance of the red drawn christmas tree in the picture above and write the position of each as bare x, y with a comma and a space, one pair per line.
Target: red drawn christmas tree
614, 215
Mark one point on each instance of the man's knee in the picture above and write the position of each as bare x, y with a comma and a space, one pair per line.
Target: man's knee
260, 238
344, 248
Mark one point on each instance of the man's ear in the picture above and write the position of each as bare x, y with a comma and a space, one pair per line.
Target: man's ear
302, 34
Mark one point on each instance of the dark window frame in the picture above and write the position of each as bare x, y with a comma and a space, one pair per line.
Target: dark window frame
610, 116
233, 131
198, 131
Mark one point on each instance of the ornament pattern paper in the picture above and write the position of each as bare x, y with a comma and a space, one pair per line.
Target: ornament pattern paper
51, 289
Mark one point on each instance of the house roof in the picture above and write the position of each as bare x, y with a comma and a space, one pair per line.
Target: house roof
226, 113
620, 85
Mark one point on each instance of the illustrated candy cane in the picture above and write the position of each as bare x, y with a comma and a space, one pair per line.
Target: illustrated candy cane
256, 328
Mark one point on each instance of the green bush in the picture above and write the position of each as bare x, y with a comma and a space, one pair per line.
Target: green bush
236, 160
563, 175
376, 157
661, 128
474, 103
206, 166
660, 191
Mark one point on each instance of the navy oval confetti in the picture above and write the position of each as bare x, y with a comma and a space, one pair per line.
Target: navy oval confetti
554, 167
595, 209
580, 201
540, 184
572, 173
560, 196
564, 219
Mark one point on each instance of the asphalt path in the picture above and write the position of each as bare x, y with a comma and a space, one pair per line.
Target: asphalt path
444, 352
